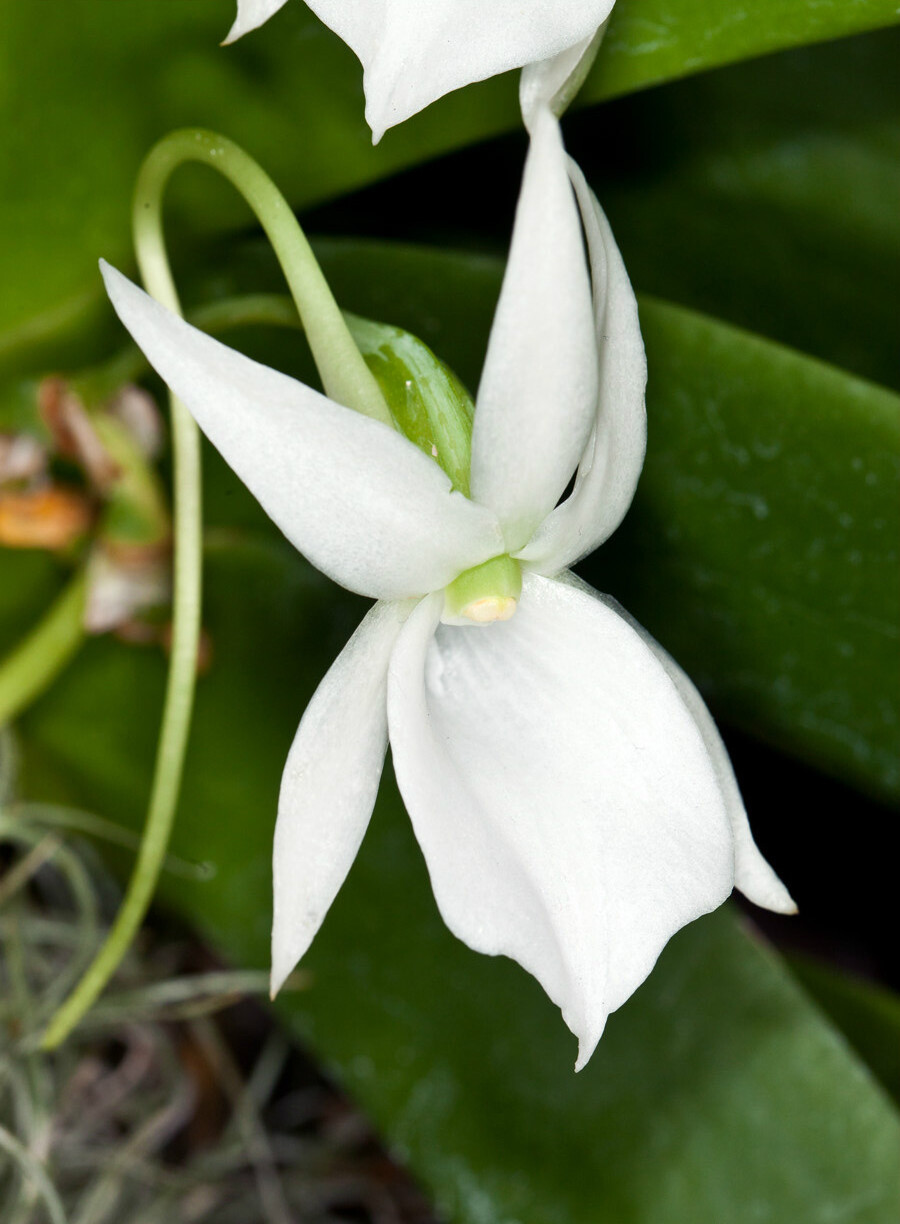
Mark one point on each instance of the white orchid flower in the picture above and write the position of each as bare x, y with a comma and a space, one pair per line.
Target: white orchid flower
415, 51
567, 786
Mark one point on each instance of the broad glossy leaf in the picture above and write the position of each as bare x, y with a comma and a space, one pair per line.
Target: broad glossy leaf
781, 535
868, 1015
777, 181
718, 1092
290, 93
659, 40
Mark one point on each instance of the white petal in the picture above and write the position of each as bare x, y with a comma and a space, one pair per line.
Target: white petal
414, 51
561, 793
538, 394
329, 785
752, 874
250, 14
360, 501
609, 471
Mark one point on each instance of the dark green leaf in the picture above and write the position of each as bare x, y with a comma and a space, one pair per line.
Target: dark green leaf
768, 565
29, 581
766, 195
868, 1015
649, 41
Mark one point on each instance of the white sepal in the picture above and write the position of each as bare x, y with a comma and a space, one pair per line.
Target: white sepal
250, 14
537, 397
611, 465
329, 785
364, 504
564, 800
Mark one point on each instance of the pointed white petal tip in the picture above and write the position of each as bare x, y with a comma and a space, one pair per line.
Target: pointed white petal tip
586, 1047
288, 948
778, 900
379, 125
251, 14
279, 974
584, 1056
769, 892
286, 972
383, 111
294, 979
753, 876
238, 30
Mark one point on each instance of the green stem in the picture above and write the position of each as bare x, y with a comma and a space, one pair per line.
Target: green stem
246, 310
179, 700
345, 375
40, 657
